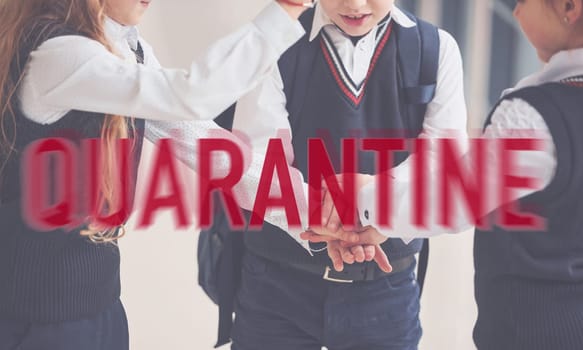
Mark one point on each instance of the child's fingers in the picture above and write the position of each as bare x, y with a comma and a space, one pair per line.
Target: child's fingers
334, 222
358, 252
369, 252
347, 255
336, 258
315, 238
327, 208
382, 260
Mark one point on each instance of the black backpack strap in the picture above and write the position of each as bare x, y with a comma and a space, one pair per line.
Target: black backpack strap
228, 277
429, 61
418, 53
219, 255
418, 50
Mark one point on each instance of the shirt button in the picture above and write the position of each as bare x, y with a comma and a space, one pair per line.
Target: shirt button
366, 214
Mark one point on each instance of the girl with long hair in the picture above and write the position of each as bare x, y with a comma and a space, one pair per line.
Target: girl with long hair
63, 74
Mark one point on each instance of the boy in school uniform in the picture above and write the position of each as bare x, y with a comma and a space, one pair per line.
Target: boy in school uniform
344, 78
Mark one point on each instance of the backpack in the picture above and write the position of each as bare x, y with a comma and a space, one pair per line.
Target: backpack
220, 249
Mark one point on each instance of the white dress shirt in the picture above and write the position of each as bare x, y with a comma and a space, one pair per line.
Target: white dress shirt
84, 75
513, 118
261, 114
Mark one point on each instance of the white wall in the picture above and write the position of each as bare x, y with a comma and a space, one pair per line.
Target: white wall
166, 308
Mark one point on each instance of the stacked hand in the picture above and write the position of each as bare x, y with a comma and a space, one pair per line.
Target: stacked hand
347, 244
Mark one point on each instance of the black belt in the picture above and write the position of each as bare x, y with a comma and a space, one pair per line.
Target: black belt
357, 272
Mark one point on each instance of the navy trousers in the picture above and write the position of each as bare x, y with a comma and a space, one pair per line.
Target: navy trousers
286, 309
106, 331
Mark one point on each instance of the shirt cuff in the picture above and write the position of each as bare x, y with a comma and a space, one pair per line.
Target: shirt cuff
366, 205
367, 209
279, 29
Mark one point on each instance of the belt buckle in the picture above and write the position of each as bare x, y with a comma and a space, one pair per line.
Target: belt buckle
331, 279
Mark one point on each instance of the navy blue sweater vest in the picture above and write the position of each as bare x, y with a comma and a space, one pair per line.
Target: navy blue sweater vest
529, 285
330, 112
52, 276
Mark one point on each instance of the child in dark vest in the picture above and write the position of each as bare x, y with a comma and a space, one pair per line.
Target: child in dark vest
529, 282
341, 80
70, 69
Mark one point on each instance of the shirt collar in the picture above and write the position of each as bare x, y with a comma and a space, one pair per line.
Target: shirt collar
562, 65
116, 32
321, 20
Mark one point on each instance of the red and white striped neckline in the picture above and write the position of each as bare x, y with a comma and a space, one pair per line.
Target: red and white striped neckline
353, 91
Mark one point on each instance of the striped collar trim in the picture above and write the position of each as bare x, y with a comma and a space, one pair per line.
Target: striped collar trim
353, 91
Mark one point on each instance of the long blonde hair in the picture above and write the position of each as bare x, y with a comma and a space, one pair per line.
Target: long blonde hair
86, 17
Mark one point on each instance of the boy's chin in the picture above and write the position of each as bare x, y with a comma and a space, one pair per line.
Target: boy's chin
544, 57
356, 31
